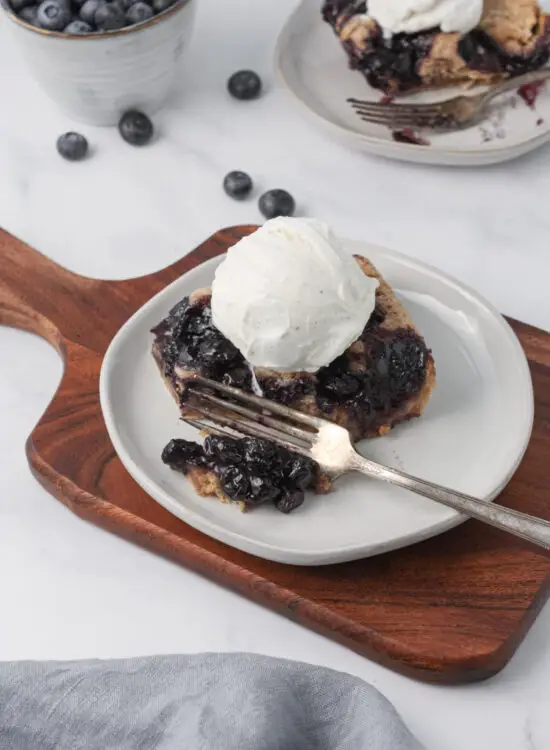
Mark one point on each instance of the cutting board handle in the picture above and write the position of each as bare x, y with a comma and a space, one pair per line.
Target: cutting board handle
38, 295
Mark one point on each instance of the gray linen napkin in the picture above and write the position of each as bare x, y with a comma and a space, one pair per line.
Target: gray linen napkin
202, 702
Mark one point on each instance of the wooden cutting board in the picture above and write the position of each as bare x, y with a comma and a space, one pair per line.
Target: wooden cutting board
451, 609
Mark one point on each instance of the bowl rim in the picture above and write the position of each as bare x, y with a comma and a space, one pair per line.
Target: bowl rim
159, 17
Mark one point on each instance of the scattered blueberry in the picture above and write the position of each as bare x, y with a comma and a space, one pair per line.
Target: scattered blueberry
18, 5
53, 15
160, 5
245, 85
237, 185
72, 146
78, 3
28, 14
89, 9
78, 27
277, 203
139, 12
135, 128
109, 17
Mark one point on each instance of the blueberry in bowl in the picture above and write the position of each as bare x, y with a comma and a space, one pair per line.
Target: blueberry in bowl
91, 55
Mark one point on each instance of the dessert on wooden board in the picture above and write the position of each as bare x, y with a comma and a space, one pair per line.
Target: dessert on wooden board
293, 317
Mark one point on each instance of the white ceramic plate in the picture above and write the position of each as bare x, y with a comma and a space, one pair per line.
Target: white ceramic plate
312, 65
471, 437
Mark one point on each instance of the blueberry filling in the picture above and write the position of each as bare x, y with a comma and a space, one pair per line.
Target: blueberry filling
376, 376
189, 337
250, 470
393, 369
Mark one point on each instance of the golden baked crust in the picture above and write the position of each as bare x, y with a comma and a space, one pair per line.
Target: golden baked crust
512, 38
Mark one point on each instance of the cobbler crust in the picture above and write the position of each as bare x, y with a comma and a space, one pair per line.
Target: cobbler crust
512, 38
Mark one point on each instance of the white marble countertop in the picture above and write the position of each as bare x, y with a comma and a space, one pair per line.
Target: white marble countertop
70, 590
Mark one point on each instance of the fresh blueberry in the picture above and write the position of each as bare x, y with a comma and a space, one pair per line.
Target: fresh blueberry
78, 3
289, 501
78, 27
160, 5
18, 5
72, 146
109, 17
139, 12
245, 84
237, 185
53, 15
89, 9
28, 14
277, 203
136, 128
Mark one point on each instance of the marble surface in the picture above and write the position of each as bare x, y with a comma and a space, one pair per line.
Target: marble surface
70, 590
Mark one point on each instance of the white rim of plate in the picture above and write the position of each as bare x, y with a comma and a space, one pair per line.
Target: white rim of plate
339, 554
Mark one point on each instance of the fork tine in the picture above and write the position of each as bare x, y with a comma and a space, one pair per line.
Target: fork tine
248, 428
302, 435
260, 403
210, 427
400, 122
374, 107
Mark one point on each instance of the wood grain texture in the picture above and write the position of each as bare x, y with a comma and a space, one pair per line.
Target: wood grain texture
451, 609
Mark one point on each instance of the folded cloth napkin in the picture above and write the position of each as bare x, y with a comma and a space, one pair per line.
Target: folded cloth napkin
199, 702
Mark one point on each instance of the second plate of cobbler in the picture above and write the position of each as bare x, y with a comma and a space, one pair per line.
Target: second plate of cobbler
426, 376
324, 61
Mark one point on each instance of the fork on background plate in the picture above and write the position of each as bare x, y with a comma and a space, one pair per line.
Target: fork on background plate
452, 114
221, 409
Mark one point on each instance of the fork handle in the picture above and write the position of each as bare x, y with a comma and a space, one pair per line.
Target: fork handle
530, 528
514, 83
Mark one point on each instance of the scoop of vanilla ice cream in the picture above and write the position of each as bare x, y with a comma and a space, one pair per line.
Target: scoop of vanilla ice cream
411, 16
290, 298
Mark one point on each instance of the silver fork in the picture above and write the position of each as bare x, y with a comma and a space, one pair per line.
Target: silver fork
459, 112
221, 409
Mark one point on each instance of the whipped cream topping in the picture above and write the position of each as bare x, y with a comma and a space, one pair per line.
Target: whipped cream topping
411, 16
290, 298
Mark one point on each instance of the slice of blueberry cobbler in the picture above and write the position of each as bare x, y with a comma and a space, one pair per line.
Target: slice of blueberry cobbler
512, 38
382, 379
